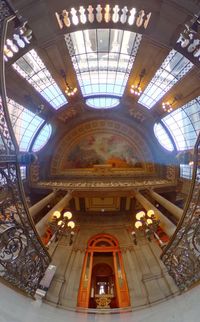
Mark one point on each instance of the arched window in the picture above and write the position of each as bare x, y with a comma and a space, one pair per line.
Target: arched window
42, 138
184, 124
25, 124
162, 137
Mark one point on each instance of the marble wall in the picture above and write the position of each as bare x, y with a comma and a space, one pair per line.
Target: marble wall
147, 278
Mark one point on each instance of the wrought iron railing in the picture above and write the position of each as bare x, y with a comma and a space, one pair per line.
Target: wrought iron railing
23, 258
182, 254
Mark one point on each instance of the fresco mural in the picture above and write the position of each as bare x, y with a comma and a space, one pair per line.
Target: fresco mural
102, 149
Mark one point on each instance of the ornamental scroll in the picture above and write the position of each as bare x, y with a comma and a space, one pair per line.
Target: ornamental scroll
182, 255
23, 259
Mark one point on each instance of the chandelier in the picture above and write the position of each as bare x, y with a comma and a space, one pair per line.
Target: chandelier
60, 225
147, 224
136, 89
69, 91
167, 106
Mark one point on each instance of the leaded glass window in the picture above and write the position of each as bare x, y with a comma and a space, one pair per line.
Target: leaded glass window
31, 67
25, 124
184, 124
42, 137
174, 67
162, 137
103, 59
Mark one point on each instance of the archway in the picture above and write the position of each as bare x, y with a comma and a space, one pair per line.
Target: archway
103, 281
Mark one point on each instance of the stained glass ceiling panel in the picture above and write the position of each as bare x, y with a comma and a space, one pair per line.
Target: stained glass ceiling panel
31, 67
25, 124
102, 102
174, 67
103, 59
184, 124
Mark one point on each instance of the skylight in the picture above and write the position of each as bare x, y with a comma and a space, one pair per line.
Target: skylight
162, 137
25, 124
42, 137
31, 67
103, 59
174, 67
184, 124
102, 102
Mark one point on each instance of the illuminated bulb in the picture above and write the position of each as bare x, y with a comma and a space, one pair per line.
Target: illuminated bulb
149, 221
150, 213
138, 224
136, 90
71, 224
167, 107
60, 222
12, 46
140, 215
67, 215
57, 214
7, 52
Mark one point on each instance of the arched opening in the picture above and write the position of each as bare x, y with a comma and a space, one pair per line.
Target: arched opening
103, 282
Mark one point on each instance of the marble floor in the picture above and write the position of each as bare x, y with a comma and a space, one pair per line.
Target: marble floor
15, 307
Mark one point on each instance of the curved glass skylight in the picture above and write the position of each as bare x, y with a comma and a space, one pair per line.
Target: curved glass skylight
103, 59
102, 102
31, 67
42, 138
162, 137
174, 67
25, 124
184, 124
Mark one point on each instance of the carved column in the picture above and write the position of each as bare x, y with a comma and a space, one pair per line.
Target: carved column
69, 292
173, 209
41, 204
137, 292
165, 223
42, 224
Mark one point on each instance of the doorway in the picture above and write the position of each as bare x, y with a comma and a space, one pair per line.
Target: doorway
103, 282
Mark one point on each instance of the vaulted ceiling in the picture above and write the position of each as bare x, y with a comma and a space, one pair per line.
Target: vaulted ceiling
166, 21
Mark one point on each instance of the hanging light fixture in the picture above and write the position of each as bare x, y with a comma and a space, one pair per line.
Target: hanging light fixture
136, 89
167, 106
147, 223
60, 225
69, 91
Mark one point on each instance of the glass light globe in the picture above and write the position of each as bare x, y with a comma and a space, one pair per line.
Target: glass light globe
71, 224
150, 213
138, 224
67, 215
149, 221
140, 215
57, 214
60, 222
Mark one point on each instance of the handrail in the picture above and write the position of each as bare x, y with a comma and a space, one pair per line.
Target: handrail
23, 257
182, 255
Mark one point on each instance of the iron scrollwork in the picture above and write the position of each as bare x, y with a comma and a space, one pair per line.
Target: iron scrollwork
23, 258
182, 255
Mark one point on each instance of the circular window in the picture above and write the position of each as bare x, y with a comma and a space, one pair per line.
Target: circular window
102, 102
